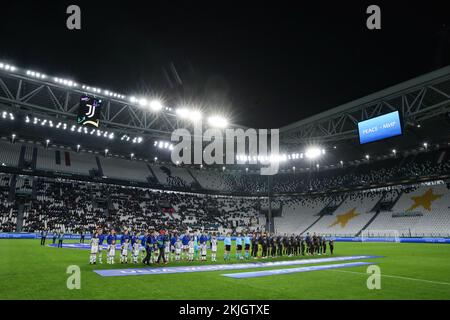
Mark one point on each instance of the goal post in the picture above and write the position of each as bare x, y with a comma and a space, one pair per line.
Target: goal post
373, 235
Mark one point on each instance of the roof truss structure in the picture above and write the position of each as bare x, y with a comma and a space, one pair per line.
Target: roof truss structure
418, 99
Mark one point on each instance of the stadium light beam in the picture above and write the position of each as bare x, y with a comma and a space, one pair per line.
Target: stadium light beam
313, 153
218, 122
156, 105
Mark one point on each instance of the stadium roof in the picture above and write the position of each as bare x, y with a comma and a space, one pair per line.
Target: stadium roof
418, 99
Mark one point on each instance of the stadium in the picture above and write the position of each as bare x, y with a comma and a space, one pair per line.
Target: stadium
94, 206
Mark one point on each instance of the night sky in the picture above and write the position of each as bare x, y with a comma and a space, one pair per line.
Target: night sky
264, 65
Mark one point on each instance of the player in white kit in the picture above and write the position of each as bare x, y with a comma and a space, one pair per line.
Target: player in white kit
167, 251
213, 248
191, 249
124, 252
111, 241
136, 249
203, 251
178, 246
94, 249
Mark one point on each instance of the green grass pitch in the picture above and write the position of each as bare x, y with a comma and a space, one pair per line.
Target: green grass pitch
409, 271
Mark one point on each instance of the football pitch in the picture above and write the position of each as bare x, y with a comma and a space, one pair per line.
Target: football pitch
408, 271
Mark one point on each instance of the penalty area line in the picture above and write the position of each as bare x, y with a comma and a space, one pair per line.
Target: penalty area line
397, 277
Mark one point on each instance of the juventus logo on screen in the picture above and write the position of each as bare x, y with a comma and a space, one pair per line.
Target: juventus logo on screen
89, 111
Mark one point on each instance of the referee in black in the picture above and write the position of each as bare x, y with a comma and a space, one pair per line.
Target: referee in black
254, 245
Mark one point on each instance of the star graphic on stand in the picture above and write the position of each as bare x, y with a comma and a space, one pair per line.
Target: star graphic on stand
424, 200
343, 219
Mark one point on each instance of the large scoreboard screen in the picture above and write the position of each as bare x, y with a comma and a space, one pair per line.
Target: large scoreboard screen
382, 127
89, 111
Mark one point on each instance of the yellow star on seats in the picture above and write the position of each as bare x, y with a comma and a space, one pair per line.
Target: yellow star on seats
424, 200
343, 219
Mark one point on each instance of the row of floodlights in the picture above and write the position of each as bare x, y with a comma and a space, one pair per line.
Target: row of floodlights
163, 145
153, 105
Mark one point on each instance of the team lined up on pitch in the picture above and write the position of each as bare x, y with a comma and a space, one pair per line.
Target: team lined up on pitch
154, 247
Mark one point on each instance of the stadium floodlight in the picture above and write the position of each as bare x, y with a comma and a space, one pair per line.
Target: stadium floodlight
156, 105
367, 156
183, 112
425, 144
394, 151
313, 152
142, 102
195, 115
156, 159
218, 122
133, 99
7, 67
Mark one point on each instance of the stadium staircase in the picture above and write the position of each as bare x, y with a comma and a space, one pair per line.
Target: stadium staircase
151, 170
320, 217
193, 177
21, 157
368, 223
331, 207
396, 200
378, 211
12, 188
99, 165
441, 157
19, 222
327, 210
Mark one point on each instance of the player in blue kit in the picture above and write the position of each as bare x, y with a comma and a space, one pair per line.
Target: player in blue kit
124, 246
247, 242
149, 244
203, 239
173, 242
101, 239
143, 242
111, 241
185, 242
238, 246
227, 243
161, 244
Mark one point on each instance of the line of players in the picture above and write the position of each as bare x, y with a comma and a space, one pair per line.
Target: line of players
153, 246
272, 245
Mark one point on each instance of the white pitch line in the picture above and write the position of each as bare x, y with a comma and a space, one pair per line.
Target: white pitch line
397, 277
